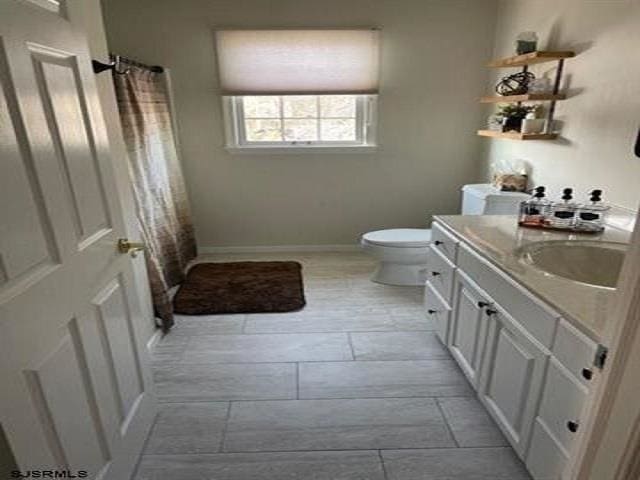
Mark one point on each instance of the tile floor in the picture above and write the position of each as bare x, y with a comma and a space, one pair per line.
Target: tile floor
354, 387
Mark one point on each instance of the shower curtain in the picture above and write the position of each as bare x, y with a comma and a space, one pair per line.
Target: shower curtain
158, 186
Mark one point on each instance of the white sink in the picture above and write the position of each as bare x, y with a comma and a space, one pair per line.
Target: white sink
589, 262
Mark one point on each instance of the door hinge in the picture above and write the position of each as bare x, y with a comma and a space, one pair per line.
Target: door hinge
600, 357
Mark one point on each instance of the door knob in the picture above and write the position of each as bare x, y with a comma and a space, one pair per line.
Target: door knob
125, 246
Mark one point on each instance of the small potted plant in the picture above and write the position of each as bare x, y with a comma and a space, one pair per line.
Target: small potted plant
511, 115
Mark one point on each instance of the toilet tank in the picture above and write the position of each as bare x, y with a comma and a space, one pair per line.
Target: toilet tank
485, 199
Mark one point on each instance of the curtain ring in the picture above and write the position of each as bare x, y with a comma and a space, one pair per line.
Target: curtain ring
117, 64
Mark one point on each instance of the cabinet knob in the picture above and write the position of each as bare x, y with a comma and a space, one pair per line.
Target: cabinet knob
490, 312
483, 304
587, 373
435, 274
572, 426
431, 312
438, 242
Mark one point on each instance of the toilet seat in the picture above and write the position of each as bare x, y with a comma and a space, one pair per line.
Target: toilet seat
399, 237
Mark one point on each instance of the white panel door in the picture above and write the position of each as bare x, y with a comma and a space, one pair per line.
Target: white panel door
468, 326
511, 381
76, 389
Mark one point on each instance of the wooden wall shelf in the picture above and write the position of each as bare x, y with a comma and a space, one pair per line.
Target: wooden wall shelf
517, 135
524, 61
530, 97
530, 59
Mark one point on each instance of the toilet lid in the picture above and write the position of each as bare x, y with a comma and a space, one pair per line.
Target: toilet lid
400, 237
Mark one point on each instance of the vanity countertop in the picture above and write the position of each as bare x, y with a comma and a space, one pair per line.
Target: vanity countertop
498, 237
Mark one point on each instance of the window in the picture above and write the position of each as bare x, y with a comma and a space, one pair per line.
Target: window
299, 89
301, 121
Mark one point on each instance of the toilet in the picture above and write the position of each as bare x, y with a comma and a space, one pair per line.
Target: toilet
402, 252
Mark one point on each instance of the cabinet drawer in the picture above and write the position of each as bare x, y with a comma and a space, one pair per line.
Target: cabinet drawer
438, 311
546, 459
440, 272
562, 402
535, 317
575, 351
444, 242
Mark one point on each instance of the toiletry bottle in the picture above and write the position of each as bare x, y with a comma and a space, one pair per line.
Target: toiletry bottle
563, 214
534, 210
591, 216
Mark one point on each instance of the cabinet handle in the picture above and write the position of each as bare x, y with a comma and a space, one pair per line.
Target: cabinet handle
483, 304
435, 274
431, 312
490, 312
587, 373
438, 242
572, 426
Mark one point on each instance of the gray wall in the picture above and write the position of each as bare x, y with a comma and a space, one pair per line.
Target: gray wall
432, 73
602, 115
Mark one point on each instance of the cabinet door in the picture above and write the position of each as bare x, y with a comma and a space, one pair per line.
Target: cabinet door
469, 326
511, 384
546, 459
553, 437
562, 403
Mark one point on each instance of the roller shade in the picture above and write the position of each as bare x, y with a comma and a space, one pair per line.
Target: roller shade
283, 62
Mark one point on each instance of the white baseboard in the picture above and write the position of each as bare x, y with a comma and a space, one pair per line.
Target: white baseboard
280, 248
155, 338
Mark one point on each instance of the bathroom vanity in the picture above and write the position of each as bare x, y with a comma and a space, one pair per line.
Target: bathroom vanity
523, 312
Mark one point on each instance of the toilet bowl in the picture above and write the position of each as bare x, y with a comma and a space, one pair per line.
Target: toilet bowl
402, 252
401, 255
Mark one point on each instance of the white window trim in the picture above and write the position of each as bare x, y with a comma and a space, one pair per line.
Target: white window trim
366, 122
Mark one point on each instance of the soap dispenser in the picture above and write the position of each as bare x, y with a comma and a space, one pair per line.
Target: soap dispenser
591, 216
534, 210
563, 214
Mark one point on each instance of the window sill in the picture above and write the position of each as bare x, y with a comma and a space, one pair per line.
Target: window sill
262, 150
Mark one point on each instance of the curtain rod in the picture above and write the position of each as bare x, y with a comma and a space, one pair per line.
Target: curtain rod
116, 65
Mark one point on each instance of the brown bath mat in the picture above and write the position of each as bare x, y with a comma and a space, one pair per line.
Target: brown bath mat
241, 287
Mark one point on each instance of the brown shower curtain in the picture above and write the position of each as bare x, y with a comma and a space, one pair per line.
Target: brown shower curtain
158, 185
